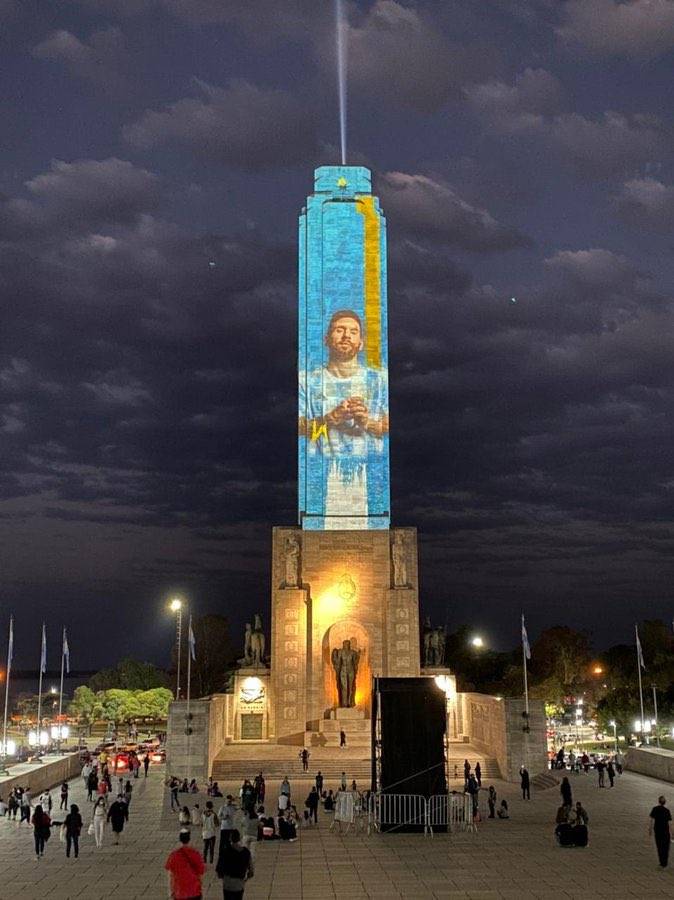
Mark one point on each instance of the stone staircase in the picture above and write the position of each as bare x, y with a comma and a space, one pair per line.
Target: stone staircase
331, 762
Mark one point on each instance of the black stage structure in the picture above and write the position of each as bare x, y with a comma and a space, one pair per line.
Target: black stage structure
409, 722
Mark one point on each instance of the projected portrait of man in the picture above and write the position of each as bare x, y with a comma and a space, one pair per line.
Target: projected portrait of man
344, 415
345, 405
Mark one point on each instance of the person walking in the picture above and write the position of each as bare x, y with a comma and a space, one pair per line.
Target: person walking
660, 817
92, 785
25, 807
249, 830
174, 787
312, 804
566, 792
99, 817
64, 796
619, 759
473, 789
146, 762
305, 760
87, 769
491, 800
610, 771
343, 782
209, 828
118, 814
342, 738
601, 770
478, 774
226, 815
525, 784
73, 826
466, 773
128, 790
185, 868
41, 830
235, 867
319, 783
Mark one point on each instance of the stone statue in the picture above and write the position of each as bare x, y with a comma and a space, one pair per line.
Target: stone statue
428, 630
399, 561
345, 663
441, 647
292, 561
257, 642
434, 644
247, 648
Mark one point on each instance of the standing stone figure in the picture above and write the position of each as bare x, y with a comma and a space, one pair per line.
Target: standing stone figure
428, 630
247, 648
257, 642
292, 561
399, 561
345, 663
441, 647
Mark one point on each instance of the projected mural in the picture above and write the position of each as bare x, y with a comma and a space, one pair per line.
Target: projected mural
343, 359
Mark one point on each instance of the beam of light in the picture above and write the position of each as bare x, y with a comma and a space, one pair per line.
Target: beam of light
341, 73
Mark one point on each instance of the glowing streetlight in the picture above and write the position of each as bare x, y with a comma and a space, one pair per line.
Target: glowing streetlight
615, 734
477, 642
176, 606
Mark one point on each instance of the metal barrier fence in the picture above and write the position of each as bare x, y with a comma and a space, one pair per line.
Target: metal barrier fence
453, 812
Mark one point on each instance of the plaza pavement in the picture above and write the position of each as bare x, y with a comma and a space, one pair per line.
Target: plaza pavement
505, 859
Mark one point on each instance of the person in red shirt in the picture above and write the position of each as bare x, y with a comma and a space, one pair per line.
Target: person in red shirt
185, 868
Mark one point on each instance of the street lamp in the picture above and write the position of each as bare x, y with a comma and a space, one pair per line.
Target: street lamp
615, 734
176, 606
477, 642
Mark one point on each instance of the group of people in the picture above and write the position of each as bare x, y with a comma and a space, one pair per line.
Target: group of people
604, 764
472, 785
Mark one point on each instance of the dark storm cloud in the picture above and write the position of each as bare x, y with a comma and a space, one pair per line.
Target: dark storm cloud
99, 57
241, 125
608, 144
638, 28
647, 203
427, 208
79, 195
148, 346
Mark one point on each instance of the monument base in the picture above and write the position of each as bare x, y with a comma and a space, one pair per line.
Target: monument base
353, 722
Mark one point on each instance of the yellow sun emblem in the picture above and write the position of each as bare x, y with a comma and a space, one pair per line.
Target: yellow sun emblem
342, 182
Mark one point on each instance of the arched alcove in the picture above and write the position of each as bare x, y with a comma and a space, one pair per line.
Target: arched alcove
347, 630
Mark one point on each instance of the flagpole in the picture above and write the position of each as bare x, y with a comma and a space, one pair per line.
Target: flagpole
189, 665
39, 691
10, 642
639, 663
63, 662
526, 684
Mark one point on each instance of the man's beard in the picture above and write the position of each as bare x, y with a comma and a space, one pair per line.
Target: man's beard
343, 353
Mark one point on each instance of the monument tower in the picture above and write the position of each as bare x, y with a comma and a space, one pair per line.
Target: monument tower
344, 583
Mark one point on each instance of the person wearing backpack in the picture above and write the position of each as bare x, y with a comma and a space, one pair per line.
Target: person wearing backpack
185, 868
235, 867
210, 825
41, 830
73, 826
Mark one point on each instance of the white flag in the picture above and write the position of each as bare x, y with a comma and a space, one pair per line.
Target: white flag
66, 651
525, 640
191, 641
640, 654
43, 655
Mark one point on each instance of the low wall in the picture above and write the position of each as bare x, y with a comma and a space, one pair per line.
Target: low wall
651, 761
191, 755
495, 728
50, 773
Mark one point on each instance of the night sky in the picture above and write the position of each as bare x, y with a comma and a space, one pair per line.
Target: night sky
155, 156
